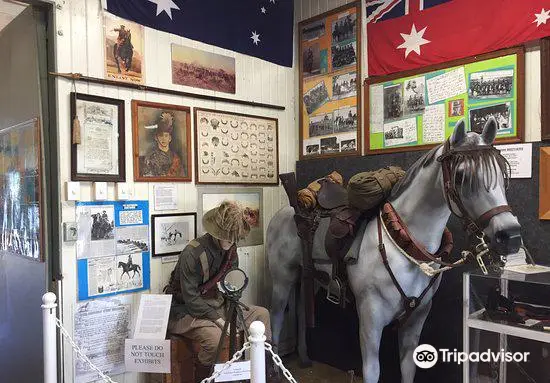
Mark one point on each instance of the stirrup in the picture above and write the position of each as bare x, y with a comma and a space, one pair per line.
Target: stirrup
334, 291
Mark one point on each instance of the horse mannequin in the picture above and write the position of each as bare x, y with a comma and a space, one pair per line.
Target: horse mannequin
421, 202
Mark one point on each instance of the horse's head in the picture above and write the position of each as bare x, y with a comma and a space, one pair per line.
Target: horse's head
476, 181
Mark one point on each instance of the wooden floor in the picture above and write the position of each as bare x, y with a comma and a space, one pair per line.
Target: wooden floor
318, 373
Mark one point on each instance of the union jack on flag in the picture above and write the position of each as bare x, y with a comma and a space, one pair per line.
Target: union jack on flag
380, 10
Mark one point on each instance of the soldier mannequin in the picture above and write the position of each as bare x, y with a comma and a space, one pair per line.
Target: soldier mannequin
198, 308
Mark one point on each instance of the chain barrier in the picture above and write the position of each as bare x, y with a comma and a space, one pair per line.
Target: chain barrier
80, 354
279, 363
238, 355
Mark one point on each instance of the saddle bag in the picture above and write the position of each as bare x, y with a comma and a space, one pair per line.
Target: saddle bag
307, 197
367, 190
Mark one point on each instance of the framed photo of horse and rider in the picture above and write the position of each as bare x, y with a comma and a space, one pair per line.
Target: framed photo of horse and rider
413, 110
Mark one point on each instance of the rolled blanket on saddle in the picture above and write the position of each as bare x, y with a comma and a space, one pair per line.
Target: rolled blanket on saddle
365, 190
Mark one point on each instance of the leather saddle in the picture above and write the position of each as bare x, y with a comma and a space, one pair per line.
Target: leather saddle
331, 195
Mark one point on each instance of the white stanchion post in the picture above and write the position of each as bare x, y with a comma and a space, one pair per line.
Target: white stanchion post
50, 342
257, 352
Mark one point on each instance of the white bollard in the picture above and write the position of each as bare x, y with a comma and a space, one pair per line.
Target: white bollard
50, 335
257, 352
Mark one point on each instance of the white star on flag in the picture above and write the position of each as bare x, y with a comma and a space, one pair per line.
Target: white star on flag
413, 41
165, 6
542, 17
263, 10
255, 37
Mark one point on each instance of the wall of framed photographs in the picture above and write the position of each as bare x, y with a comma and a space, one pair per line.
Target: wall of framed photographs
417, 109
84, 48
330, 83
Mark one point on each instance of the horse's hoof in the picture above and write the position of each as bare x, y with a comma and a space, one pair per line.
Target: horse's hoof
307, 363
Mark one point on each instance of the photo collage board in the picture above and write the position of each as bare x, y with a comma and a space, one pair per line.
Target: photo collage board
421, 109
330, 83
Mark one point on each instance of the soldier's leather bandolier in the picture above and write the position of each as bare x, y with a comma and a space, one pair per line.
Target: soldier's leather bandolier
207, 260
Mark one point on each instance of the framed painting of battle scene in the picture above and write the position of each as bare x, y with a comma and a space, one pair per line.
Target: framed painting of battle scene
330, 83
172, 232
162, 142
124, 53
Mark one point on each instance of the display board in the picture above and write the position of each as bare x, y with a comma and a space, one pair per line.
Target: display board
418, 109
330, 83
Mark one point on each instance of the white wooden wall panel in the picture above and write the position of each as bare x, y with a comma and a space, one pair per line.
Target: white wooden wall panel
80, 49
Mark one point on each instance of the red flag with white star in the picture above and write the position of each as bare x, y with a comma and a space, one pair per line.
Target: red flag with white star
416, 36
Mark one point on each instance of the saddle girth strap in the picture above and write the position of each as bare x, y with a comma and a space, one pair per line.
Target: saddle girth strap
409, 303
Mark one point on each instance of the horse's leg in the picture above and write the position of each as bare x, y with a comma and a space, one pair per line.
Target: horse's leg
409, 334
372, 319
302, 341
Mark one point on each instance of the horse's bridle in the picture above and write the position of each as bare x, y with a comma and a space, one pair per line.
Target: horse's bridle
473, 226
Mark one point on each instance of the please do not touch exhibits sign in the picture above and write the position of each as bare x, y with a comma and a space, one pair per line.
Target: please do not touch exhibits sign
147, 355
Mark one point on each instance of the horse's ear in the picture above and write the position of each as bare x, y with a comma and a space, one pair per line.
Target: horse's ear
489, 131
459, 133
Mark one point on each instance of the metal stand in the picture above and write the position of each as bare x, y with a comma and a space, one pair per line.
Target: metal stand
234, 315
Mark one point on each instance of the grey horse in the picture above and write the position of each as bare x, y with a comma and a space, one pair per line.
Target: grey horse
421, 202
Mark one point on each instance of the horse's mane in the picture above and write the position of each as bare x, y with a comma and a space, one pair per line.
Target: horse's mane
463, 163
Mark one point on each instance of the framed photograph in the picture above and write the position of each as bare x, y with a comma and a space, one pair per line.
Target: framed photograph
201, 69
22, 218
233, 148
419, 108
172, 232
330, 83
124, 51
100, 157
162, 142
209, 198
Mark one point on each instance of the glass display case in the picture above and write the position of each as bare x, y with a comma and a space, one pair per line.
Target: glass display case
506, 332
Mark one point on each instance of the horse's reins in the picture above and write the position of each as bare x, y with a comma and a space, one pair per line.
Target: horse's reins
474, 227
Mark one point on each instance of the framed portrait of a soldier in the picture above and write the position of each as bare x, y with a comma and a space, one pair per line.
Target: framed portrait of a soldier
162, 142
124, 50
100, 155
232, 148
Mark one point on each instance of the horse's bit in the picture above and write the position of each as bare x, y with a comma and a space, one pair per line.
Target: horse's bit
474, 227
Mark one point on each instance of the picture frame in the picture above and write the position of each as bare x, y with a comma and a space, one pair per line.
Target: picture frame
172, 232
236, 149
101, 155
544, 183
161, 136
401, 128
330, 83
210, 197
22, 223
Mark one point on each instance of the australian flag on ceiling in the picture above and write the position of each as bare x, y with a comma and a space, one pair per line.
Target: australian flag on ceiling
259, 28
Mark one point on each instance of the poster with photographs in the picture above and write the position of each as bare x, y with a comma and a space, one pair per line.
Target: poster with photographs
112, 247
233, 148
124, 52
421, 109
201, 69
247, 198
330, 64
21, 221
172, 232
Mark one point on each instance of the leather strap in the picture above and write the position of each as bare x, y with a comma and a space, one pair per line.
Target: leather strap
483, 221
409, 303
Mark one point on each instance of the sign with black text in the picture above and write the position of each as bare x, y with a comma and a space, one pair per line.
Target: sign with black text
147, 355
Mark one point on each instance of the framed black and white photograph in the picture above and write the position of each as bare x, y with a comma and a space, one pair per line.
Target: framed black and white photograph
345, 119
315, 97
247, 198
329, 145
100, 155
314, 30
321, 125
344, 54
344, 85
393, 102
172, 232
414, 95
344, 28
491, 84
501, 112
